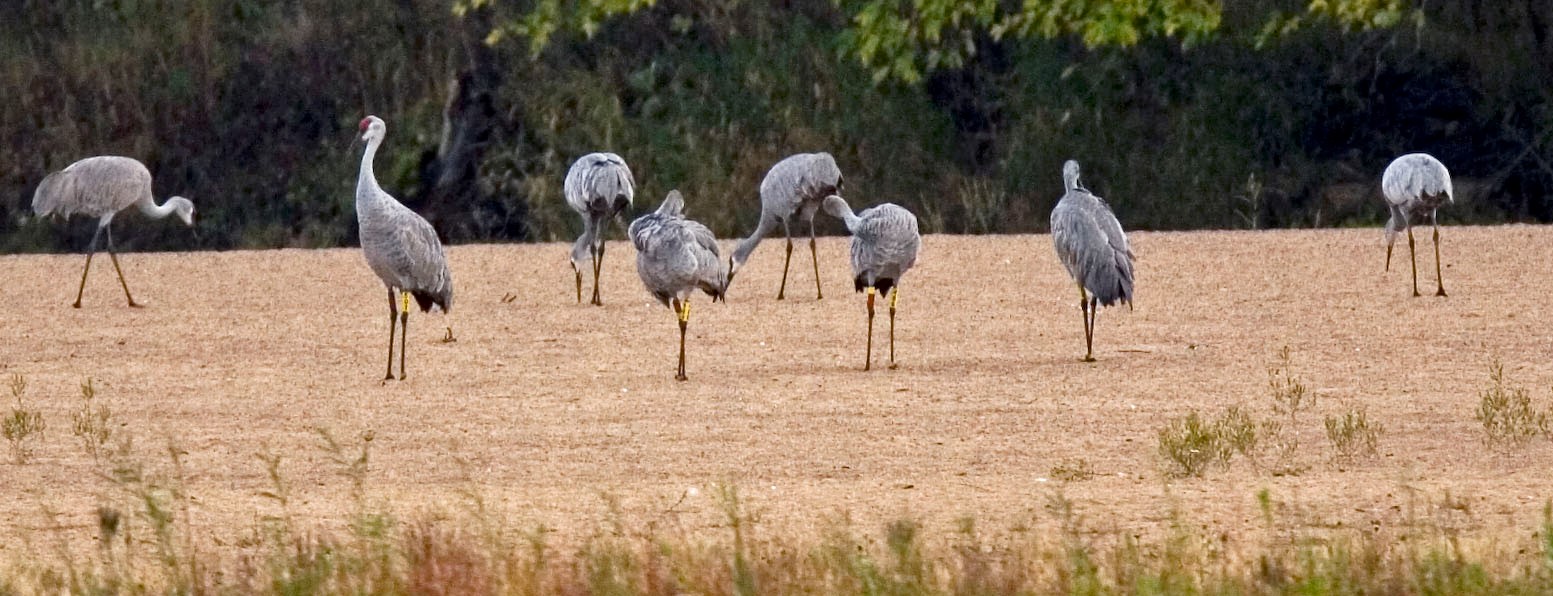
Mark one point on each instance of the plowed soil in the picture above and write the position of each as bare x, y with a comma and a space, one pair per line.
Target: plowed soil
551, 409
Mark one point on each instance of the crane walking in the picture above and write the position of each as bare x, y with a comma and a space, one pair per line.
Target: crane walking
884, 247
675, 257
101, 187
794, 186
1416, 183
400, 247
1092, 246
598, 187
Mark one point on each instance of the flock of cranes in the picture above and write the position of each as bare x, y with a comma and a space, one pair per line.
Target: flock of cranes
677, 257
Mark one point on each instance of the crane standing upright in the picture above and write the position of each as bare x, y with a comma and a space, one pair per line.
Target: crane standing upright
794, 186
598, 187
1416, 183
884, 248
1092, 247
101, 187
400, 247
675, 257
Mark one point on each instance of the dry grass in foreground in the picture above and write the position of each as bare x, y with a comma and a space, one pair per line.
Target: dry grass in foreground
147, 544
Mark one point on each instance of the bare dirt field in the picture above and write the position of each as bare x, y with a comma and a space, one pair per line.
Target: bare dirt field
550, 409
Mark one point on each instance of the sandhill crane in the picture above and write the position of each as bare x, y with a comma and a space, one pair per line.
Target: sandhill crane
884, 247
1093, 248
1416, 183
101, 187
401, 248
598, 187
675, 257
794, 186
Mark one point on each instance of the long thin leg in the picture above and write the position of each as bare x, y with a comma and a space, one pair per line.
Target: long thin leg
90, 249
1094, 311
1438, 277
404, 330
1388, 260
579, 282
1089, 329
393, 315
1414, 259
868, 356
682, 310
785, 262
115, 259
818, 295
598, 264
895, 294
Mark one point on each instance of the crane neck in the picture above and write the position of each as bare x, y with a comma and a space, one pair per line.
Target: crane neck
366, 181
741, 252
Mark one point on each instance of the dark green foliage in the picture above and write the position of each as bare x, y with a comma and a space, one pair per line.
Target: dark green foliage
249, 108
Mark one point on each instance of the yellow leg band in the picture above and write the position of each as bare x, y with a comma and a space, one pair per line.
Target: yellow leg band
895, 296
684, 311
404, 301
869, 290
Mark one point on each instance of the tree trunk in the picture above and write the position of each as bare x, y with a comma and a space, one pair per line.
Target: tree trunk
449, 178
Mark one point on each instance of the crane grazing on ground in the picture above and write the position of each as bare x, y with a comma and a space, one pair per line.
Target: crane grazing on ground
794, 186
675, 257
101, 187
884, 247
401, 248
1416, 183
598, 187
1093, 248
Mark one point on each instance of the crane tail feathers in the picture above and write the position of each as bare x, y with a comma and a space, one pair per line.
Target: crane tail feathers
426, 299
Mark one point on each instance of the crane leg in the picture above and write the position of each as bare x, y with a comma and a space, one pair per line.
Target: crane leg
1089, 324
579, 282
598, 263
1438, 277
895, 294
90, 250
868, 356
682, 310
1413, 257
818, 295
1388, 259
404, 330
115, 258
393, 316
785, 262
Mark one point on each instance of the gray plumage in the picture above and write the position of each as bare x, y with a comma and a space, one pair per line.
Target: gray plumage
795, 186
1093, 248
399, 245
101, 187
1415, 184
884, 247
598, 187
675, 257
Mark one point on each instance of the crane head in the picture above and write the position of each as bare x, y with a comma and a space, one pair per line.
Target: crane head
1070, 174
372, 128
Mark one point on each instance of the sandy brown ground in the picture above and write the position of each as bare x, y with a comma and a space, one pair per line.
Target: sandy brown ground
555, 404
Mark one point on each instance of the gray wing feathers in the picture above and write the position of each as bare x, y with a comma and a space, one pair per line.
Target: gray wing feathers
885, 242
676, 256
805, 177
595, 182
1415, 176
403, 249
1092, 246
95, 186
